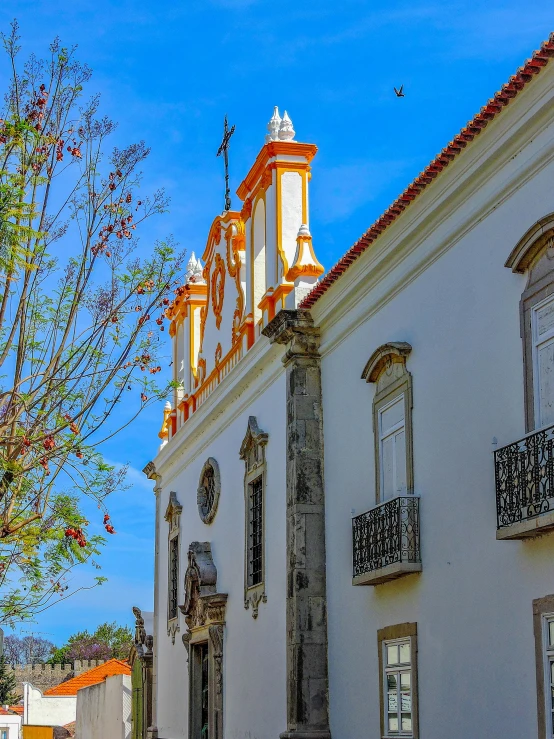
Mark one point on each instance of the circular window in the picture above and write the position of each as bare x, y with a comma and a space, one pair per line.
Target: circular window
208, 491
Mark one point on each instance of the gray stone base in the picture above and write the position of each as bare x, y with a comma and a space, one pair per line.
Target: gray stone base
305, 735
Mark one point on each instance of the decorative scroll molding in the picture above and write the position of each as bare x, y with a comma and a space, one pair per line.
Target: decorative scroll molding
218, 288
204, 610
528, 248
384, 357
173, 512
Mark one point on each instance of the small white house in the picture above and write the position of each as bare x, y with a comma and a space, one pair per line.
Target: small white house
10, 724
104, 710
47, 710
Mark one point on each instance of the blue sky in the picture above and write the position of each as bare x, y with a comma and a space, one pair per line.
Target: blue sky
169, 71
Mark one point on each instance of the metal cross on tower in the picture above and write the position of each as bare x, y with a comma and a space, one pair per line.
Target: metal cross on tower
223, 149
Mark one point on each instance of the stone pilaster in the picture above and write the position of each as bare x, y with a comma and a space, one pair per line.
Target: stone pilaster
307, 670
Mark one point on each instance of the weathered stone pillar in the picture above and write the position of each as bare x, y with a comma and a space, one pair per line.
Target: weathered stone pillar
307, 671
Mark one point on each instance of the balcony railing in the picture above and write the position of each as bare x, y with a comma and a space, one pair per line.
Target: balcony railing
385, 541
524, 475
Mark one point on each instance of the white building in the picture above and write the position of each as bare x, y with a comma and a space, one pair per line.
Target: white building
332, 548
104, 709
47, 710
10, 724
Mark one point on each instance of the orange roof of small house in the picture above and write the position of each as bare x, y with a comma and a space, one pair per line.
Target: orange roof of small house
17, 709
91, 677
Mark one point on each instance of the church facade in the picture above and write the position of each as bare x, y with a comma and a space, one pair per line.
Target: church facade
355, 485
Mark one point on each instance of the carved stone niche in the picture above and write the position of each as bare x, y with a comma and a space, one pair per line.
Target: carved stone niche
204, 611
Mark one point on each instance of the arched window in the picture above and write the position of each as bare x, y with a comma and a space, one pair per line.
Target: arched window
534, 256
392, 420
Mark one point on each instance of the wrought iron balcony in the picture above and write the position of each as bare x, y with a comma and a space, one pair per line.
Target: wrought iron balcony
524, 475
385, 541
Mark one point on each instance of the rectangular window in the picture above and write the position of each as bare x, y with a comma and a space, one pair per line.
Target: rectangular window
255, 532
548, 664
3, 733
392, 448
173, 576
397, 662
543, 362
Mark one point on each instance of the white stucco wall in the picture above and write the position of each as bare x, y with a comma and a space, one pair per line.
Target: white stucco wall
13, 724
47, 710
104, 710
254, 655
436, 279
454, 301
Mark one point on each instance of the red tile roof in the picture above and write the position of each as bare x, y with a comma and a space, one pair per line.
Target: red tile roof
502, 98
91, 677
17, 709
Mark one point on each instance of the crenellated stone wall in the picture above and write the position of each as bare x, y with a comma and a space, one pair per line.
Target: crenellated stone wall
48, 676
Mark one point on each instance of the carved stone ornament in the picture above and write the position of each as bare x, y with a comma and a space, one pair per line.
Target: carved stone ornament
143, 642
252, 449
204, 611
218, 289
209, 490
203, 604
173, 512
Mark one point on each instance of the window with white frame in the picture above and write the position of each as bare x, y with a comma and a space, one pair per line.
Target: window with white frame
392, 420
392, 448
397, 679
548, 659
4, 733
542, 323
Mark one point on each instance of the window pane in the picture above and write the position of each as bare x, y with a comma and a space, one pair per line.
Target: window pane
552, 673
546, 383
405, 653
393, 723
391, 682
405, 681
545, 319
551, 633
387, 464
393, 702
406, 703
400, 455
392, 416
392, 654
406, 722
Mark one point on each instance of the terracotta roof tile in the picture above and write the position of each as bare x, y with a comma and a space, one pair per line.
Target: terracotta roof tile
91, 677
17, 709
515, 84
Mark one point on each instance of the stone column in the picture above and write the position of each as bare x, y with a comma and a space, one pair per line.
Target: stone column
307, 670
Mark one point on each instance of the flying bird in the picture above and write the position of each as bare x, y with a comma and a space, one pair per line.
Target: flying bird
399, 93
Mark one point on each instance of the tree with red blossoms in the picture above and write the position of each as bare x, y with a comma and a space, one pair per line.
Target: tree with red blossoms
80, 303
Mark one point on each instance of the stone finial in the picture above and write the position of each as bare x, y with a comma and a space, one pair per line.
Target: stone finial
305, 270
273, 126
198, 272
286, 131
194, 269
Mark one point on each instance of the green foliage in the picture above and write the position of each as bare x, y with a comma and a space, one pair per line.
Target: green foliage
108, 641
81, 308
8, 684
